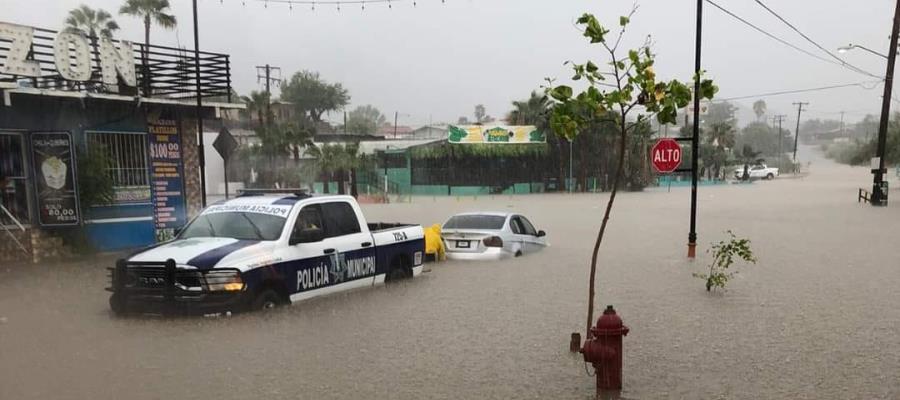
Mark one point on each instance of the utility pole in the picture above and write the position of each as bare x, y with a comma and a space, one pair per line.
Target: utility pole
396, 115
842, 124
265, 72
877, 195
199, 111
799, 105
780, 135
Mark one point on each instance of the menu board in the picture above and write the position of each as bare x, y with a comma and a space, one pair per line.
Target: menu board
166, 178
54, 171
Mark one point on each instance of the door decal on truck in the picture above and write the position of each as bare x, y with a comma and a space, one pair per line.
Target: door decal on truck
338, 270
399, 236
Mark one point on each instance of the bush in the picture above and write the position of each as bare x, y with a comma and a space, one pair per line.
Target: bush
724, 254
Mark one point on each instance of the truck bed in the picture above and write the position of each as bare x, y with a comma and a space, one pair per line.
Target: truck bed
386, 226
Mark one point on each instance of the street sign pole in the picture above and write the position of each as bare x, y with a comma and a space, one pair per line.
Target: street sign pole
695, 141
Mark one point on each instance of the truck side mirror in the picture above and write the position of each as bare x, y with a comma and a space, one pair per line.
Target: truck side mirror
541, 234
308, 235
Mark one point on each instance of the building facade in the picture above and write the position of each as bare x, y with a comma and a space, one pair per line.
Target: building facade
97, 149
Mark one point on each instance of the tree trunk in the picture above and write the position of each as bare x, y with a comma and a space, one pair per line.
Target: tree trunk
354, 190
326, 182
609, 204
340, 181
582, 167
561, 178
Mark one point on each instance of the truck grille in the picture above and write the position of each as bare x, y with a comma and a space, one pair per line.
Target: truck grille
155, 278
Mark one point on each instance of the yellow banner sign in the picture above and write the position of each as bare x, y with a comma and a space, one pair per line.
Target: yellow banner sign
501, 134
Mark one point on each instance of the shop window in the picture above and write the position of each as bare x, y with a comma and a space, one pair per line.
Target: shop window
128, 158
13, 179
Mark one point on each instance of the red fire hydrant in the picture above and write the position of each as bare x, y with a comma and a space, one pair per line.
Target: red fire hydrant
604, 350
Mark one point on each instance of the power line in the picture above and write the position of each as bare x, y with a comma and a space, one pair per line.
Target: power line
841, 60
337, 3
860, 84
780, 40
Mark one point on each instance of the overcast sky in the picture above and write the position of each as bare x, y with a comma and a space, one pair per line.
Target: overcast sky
436, 61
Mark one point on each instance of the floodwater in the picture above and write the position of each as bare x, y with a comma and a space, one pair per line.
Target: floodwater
816, 318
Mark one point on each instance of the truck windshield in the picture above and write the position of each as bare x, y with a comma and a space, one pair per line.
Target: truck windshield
475, 222
236, 225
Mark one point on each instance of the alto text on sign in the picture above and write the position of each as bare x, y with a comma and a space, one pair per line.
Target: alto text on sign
665, 155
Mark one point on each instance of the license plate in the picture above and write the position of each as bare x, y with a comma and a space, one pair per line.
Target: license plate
462, 244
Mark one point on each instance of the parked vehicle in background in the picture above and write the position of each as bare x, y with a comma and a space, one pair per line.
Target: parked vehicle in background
756, 171
261, 251
490, 236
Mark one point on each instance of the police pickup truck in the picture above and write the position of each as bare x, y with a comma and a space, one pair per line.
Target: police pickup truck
259, 251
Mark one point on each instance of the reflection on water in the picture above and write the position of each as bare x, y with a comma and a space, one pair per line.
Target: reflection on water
815, 318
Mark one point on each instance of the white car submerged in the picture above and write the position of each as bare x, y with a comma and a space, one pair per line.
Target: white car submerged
490, 236
758, 171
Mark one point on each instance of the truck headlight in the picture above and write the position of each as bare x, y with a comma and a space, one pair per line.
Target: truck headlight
223, 280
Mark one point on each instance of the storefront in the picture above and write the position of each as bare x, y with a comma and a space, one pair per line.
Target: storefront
97, 149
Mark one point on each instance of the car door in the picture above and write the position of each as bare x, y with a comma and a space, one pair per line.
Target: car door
307, 266
532, 240
757, 171
350, 246
519, 237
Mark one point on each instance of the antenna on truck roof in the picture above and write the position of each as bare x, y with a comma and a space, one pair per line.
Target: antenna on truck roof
301, 193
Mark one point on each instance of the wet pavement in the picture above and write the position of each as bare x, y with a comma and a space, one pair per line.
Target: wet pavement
816, 318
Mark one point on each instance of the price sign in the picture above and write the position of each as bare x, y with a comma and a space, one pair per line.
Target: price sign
54, 172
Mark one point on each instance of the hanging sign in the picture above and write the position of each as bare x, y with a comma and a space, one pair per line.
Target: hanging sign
54, 172
166, 178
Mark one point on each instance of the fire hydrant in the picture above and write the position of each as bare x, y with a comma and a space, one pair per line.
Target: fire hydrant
604, 350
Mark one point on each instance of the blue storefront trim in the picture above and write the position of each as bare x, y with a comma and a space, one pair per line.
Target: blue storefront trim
120, 234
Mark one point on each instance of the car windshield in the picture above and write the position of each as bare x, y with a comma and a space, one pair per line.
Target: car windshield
237, 225
475, 222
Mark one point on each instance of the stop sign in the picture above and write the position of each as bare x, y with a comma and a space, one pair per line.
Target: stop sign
665, 155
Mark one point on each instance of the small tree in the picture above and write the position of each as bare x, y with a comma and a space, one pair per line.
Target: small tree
629, 85
724, 254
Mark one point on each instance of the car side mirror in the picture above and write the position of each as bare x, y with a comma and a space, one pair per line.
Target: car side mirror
541, 234
309, 235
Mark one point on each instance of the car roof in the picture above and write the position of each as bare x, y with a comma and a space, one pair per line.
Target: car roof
489, 213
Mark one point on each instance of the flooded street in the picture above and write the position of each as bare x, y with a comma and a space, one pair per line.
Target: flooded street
816, 318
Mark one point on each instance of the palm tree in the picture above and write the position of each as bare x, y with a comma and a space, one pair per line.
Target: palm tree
535, 111
91, 22
256, 104
721, 136
759, 108
149, 11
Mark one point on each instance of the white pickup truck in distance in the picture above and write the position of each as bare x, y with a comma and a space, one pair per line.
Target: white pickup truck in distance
758, 171
262, 251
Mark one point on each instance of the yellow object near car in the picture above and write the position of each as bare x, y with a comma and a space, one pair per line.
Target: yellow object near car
434, 245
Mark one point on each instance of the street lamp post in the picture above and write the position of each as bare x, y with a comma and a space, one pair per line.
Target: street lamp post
851, 46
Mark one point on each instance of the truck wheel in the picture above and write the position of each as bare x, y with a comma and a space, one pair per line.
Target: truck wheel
117, 305
399, 271
770, 176
266, 300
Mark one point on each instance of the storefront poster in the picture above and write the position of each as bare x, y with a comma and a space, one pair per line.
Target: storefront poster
166, 178
502, 134
54, 170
